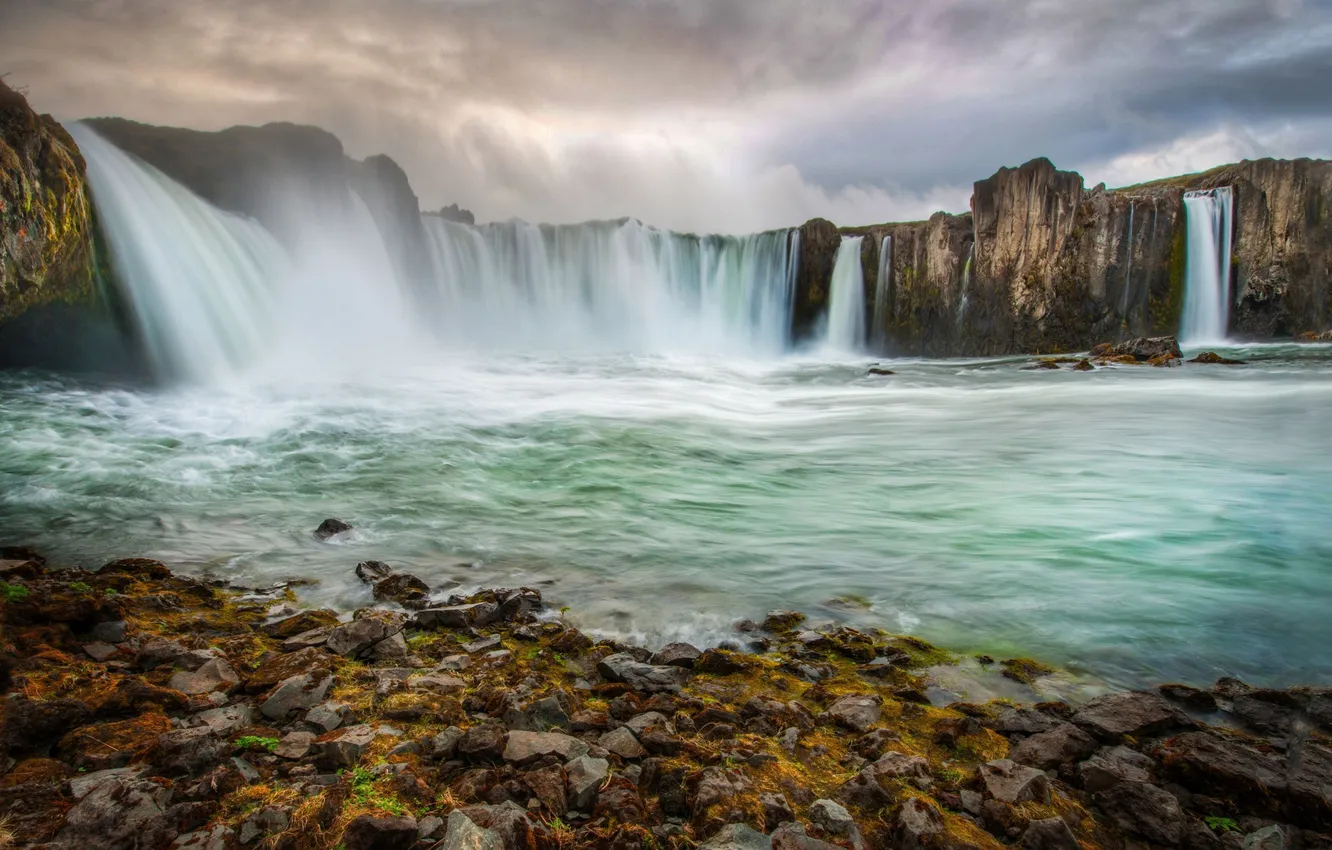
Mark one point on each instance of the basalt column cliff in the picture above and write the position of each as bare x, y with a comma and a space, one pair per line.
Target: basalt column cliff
1043, 264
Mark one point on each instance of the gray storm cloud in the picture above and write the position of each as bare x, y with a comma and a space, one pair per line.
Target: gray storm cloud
707, 114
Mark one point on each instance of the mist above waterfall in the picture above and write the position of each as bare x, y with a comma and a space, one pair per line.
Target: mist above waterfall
214, 293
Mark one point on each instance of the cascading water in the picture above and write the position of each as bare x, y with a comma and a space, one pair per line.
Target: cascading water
199, 281
618, 285
846, 298
883, 296
1207, 277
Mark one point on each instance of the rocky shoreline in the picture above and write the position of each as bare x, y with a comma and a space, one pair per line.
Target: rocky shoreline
149, 710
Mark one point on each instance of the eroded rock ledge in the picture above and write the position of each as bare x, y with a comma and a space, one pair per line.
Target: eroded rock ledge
149, 710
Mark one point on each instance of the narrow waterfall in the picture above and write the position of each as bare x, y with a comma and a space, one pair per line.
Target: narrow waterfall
964, 300
612, 285
846, 298
1128, 272
1207, 278
883, 292
199, 281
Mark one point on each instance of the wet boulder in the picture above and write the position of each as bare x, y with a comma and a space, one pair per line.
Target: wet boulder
623, 667
331, 528
1063, 744
1130, 713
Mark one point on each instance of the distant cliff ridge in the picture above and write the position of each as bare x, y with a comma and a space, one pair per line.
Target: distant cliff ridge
1043, 264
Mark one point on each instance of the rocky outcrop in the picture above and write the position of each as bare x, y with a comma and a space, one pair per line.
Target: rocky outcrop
46, 242
1043, 264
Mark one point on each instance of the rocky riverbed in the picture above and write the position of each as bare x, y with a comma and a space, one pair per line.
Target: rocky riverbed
150, 710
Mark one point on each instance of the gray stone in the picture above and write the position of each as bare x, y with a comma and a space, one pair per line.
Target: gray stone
484, 644
1020, 720
429, 827
917, 824
356, 638
308, 640
217, 838
474, 616
792, 836
640, 723
99, 651
391, 650
328, 716
623, 667
214, 675
1112, 765
462, 834
1131, 713
737, 836
226, 719
82, 786
832, 816
547, 713
295, 694
1049, 834
186, 752
109, 632
676, 655
857, 712
445, 744
1010, 782
454, 663
1144, 810
117, 813
295, 745
437, 684
160, 652
368, 832
246, 770
347, 748
623, 743
267, 821
972, 801
1063, 744
525, 747
584, 776
866, 789
1272, 837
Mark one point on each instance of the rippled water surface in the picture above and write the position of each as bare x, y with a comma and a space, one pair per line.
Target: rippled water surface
1136, 524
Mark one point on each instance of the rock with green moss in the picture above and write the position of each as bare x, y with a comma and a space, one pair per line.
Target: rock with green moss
46, 243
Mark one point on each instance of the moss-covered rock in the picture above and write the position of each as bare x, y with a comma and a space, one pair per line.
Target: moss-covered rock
46, 242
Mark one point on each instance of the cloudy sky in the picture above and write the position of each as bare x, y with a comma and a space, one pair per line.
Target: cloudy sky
707, 114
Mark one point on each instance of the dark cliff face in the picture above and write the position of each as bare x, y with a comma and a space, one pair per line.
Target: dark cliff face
53, 313
282, 175
1042, 264
46, 244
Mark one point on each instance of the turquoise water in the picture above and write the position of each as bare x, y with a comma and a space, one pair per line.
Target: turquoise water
1133, 524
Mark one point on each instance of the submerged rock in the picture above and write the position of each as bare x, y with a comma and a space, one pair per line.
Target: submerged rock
1213, 357
330, 528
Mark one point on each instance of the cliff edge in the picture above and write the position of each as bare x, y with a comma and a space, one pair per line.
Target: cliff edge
46, 229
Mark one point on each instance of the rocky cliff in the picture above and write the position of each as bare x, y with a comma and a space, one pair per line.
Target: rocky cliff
46, 242
1041, 263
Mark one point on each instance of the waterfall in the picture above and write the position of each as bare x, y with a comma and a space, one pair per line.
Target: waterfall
198, 280
1207, 277
964, 300
1128, 271
846, 298
611, 285
883, 296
